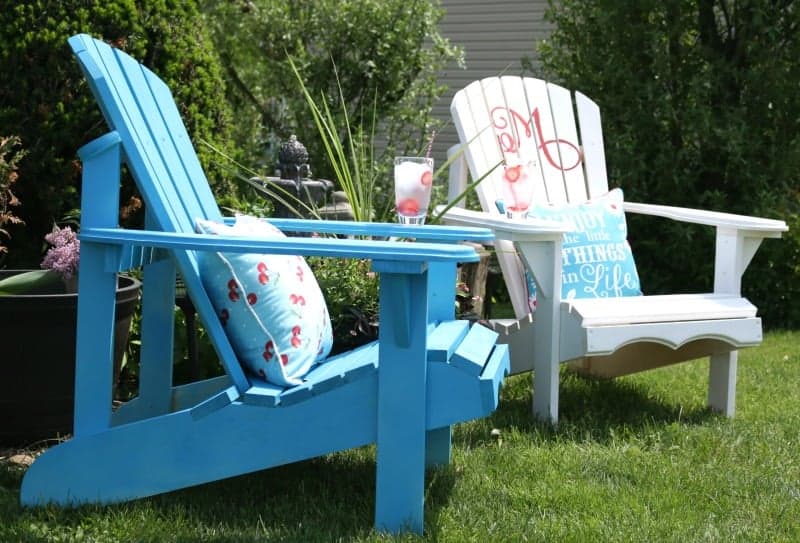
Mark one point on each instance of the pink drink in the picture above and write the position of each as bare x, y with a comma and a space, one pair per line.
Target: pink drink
517, 187
413, 179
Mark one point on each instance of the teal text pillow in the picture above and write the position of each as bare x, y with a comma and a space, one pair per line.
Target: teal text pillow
596, 258
271, 306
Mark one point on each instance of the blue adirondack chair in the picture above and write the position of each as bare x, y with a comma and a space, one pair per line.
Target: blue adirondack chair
426, 372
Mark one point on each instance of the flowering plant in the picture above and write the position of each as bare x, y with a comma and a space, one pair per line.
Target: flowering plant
59, 267
64, 255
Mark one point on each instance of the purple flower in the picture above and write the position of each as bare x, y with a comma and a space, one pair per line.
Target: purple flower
64, 255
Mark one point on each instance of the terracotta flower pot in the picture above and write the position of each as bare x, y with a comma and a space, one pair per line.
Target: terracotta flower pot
37, 359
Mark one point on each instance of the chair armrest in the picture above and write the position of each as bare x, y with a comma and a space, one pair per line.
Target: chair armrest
330, 247
756, 226
505, 228
738, 238
377, 229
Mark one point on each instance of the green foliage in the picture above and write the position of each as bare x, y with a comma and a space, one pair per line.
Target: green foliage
700, 109
32, 282
350, 150
45, 100
10, 156
386, 52
351, 294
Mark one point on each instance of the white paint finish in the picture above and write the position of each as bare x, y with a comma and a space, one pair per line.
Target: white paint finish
722, 382
594, 154
605, 340
758, 226
505, 228
659, 309
564, 149
687, 326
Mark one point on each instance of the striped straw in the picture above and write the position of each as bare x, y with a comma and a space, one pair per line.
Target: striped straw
430, 144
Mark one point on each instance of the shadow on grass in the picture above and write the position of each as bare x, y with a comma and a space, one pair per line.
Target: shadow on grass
588, 409
333, 497
328, 498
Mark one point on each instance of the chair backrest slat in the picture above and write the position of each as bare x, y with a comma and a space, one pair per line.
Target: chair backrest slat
202, 201
594, 155
514, 124
564, 154
163, 162
154, 138
528, 120
476, 127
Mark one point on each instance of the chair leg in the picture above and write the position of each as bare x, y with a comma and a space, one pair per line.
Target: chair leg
95, 345
543, 259
545, 365
158, 317
401, 434
441, 288
545, 389
722, 383
437, 447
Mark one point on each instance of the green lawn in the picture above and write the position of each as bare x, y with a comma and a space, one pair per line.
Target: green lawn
636, 459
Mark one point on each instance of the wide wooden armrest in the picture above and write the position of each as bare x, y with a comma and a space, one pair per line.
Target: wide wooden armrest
518, 230
757, 226
386, 230
330, 247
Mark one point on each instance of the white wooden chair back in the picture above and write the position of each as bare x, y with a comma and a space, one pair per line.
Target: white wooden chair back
505, 119
511, 120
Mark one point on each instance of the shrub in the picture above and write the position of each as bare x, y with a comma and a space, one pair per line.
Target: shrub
690, 120
386, 52
45, 100
368, 60
351, 294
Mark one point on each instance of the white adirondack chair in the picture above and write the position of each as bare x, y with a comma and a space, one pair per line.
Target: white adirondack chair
530, 120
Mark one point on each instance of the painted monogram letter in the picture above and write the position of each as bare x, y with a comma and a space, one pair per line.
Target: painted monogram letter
513, 127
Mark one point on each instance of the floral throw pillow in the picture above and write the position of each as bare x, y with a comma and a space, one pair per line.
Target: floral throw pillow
271, 306
596, 257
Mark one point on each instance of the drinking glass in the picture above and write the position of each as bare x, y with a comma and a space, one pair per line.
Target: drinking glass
413, 178
517, 187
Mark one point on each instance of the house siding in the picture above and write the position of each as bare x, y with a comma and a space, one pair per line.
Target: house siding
495, 37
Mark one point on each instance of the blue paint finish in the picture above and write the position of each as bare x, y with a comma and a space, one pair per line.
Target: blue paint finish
437, 446
94, 344
441, 308
444, 340
498, 366
157, 335
214, 403
472, 353
264, 395
388, 255
172, 437
402, 404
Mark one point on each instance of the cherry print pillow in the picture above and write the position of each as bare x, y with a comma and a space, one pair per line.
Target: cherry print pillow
271, 306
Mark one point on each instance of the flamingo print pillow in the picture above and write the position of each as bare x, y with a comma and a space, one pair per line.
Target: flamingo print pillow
271, 306
596, 258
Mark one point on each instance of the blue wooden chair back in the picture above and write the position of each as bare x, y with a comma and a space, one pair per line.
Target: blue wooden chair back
430, 370
139, 106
